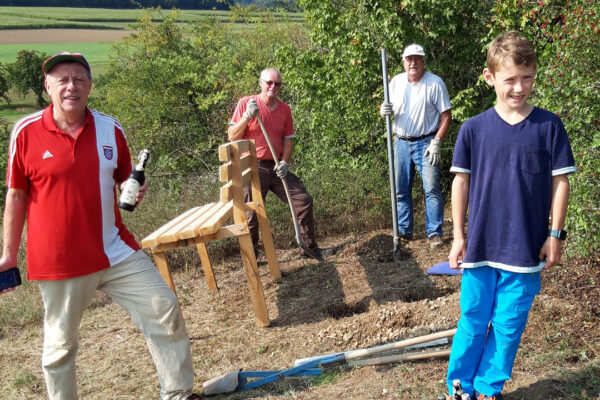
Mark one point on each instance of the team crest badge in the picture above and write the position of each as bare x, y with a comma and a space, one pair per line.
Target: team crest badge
108, 152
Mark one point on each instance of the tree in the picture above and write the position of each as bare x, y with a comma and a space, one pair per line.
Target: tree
26, 74
4, 86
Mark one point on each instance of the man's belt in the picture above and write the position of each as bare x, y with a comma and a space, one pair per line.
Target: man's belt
415, 138
266, 163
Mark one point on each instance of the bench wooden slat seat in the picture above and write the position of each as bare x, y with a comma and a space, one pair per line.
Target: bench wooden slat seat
205, 223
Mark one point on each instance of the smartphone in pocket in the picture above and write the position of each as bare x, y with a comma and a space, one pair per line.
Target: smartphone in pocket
10, 278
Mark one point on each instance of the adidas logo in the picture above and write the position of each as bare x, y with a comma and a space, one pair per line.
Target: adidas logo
47, 154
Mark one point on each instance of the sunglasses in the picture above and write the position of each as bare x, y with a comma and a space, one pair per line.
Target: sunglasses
269, 83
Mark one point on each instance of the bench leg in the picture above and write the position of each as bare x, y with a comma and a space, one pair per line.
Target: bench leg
265, 234
160, 259
254, 284
207, 267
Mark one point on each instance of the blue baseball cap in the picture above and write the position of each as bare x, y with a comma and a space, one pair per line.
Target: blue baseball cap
65, 56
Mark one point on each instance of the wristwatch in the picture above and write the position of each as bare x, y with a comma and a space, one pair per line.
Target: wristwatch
559, 234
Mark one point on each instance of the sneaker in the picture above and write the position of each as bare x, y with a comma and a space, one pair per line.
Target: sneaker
435, 241
481, 396
194, 396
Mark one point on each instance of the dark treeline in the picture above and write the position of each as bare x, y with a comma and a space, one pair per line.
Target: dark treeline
167, 4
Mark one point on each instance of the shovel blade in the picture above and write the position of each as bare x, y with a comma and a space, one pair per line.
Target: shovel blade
222, 384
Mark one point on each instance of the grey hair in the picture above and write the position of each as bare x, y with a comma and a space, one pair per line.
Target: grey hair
264, 72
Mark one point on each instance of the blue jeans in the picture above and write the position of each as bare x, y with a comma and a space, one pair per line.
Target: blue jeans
481, 357
407, 156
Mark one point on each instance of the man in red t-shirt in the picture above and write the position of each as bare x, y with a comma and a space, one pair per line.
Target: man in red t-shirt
277, 118
64, 165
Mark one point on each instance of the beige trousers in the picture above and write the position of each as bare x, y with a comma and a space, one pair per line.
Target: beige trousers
139, 289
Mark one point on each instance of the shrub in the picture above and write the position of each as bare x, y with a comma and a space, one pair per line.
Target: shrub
4, 86
26, 74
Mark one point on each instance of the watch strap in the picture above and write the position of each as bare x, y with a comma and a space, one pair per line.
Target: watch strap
559, 234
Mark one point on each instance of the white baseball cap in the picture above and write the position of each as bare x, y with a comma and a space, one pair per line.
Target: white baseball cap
413, 50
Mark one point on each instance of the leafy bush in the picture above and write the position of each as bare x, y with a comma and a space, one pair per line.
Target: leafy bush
175, 91
337, 82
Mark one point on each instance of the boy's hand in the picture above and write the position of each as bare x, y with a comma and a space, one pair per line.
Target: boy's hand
457, 252
551, 251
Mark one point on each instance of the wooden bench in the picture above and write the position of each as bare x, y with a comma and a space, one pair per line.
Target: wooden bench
202, 224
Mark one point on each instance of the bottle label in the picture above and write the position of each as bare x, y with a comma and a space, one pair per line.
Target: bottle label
132, 187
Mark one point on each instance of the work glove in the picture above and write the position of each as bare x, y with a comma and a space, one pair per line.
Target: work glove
433, 151
282, 169
251, 109
386, 109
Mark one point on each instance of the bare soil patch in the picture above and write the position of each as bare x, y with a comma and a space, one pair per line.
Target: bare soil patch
34, 36
359, 297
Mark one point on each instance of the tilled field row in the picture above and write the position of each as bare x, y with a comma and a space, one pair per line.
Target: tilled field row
29, 36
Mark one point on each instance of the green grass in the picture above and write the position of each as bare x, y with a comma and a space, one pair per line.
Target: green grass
94, 52
17, 109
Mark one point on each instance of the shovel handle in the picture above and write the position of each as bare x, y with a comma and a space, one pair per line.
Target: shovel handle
399, 358
398, 345
287, 191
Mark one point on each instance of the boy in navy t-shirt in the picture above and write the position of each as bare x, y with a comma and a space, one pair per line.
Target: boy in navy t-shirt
511, 164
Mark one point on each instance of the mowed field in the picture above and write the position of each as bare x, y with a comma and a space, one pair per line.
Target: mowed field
93, 43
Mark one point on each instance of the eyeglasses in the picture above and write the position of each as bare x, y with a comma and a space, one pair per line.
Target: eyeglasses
269, 83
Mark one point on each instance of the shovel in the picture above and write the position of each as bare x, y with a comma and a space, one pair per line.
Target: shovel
433, 339
238, 381
390, 146
303, 246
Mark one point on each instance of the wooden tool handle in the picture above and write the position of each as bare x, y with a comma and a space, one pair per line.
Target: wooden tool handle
399, 358
398, 345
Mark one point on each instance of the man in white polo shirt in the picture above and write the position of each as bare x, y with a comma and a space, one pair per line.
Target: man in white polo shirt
64, 165
420, 105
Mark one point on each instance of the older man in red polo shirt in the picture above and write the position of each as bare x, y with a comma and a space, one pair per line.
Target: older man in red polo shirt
277, 118
64, 165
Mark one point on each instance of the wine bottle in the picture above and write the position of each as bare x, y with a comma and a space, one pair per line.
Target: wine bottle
134, 182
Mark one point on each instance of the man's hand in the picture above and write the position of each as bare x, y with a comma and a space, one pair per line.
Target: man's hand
386, 109
433, 151
140, 194
551, 251
251, 109
282, 169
